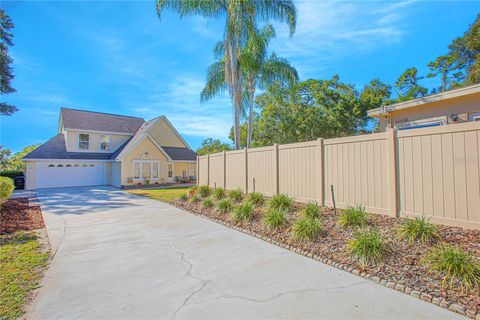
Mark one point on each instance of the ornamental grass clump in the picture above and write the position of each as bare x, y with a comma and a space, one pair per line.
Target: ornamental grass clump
243, 212
195, 198
455, 265
256, 198
183, 196
281, 201
207, 203
312, 210
224, 206
204, 191
306, 228
219, 193
236, 195
275, 218
418, 230
367, 246
353, 216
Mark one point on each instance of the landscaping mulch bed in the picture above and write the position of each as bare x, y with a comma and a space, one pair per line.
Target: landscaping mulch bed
20, 214
401, 268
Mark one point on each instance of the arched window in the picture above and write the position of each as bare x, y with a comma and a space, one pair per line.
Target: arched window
92, 165
84, 165
51, 165
60, 166
68, 166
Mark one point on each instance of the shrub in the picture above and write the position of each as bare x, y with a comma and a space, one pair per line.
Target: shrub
418, 229
275, 218
204, 191
243, 212
195, 198
353, 217
6, 189
192, 190
306, 228
235, 195
207, 203
312, 210
224, 206
281, 201
256, 198
367, 246
183, 196
455, 265
219, 193
11, 173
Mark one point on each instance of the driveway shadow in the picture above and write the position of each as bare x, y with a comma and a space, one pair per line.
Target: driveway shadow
82, 200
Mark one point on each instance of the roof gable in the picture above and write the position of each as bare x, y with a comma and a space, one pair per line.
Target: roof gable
97, 121
165, 134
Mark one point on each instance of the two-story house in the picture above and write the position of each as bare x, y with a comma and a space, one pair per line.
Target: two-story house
93, 148
453, 106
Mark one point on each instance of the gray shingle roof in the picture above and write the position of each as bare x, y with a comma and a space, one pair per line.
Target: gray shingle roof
55, 149
178, 154
97, 121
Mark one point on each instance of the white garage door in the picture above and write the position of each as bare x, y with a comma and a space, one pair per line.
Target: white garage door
69, 174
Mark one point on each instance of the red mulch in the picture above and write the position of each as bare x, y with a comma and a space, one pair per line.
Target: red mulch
18, 214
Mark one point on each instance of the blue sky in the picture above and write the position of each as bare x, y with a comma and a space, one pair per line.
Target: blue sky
118, 57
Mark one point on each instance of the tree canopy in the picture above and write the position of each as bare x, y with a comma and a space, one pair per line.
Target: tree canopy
312, 109
14, 162
6, 72
211, 145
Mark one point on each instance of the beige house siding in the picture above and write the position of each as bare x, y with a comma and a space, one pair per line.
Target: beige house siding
30, 175
116, 140
179, 167
146, 146
163, 134
463, 106
116, 175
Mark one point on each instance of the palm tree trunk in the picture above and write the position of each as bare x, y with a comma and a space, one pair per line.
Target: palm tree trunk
250, 114
235, 91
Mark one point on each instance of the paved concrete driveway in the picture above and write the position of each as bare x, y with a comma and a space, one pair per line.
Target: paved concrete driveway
120, 256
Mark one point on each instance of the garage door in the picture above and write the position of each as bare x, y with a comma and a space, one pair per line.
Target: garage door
69, 174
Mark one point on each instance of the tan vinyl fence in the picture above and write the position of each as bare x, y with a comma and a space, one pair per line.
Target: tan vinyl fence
431, 171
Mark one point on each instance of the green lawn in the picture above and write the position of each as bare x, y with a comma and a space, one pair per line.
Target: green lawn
166, 195
21, 264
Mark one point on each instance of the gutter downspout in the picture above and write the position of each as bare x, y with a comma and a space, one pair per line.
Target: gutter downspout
384, 111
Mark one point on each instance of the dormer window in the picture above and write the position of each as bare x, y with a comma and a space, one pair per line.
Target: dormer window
83, 141
104, 142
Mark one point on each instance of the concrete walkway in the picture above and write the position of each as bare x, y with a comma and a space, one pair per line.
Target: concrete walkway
119, 256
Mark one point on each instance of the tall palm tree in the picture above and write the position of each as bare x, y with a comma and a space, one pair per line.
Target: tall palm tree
258, 70
241, 17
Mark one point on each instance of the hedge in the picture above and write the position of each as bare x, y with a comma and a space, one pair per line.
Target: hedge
6, 188
11, 173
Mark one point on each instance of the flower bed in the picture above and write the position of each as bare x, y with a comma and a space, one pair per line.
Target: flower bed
20, 214
400, 269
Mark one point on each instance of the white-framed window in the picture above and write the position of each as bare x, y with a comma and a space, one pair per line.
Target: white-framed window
170, 170
84, 141
104, 142
474, 116
424, 123
145, 169
136, 170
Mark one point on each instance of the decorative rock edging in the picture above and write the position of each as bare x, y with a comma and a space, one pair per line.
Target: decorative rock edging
439, 301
